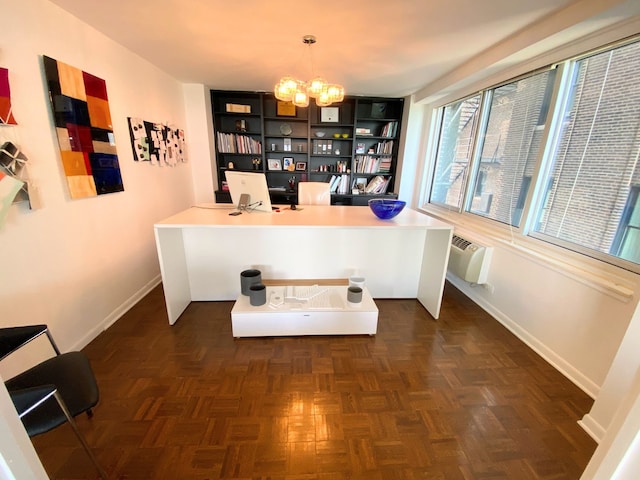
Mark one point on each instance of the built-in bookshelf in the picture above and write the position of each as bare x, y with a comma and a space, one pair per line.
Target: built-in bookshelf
352, 145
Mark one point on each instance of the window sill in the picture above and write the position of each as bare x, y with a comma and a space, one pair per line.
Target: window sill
603, 277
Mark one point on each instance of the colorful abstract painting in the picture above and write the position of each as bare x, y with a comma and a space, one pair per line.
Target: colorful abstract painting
6, 116
85, 134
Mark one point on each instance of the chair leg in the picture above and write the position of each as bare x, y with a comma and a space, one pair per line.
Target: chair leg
73, 424
53, 344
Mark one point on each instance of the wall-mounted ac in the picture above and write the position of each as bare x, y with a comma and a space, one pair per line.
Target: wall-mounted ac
469, 260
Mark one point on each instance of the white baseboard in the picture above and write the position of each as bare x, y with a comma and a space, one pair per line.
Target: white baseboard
593, 428
116, 314
559, 363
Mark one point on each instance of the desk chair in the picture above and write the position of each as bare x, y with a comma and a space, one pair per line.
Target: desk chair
314, 193
52, 392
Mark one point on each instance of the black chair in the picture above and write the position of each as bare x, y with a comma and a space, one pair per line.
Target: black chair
54, 391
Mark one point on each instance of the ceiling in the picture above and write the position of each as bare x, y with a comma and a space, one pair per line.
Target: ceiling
372, 47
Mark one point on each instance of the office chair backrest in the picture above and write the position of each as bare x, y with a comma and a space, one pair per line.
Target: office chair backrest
314, 193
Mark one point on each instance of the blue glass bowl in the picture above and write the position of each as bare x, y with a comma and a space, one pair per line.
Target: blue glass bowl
386, 208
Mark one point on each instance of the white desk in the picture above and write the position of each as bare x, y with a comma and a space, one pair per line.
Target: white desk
291, 318
203, 250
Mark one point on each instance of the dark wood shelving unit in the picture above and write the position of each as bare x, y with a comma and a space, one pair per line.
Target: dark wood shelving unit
266, 132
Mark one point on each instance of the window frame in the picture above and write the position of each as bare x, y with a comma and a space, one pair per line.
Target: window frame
525, 233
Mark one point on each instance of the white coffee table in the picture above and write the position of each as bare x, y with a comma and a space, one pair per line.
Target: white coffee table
292, 319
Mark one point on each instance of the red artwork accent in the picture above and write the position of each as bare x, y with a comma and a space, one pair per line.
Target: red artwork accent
5, 99
94, 86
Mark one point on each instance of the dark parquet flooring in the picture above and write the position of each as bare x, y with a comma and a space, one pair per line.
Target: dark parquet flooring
457, 398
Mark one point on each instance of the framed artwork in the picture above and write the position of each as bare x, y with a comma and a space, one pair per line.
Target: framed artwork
301, 166
329, 114
85, 133
274, 164
378, 110
285, 109
287, 163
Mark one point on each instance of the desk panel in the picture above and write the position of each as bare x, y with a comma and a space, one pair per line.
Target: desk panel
203, 250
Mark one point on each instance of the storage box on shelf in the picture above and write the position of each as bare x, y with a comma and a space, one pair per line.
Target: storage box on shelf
352, 145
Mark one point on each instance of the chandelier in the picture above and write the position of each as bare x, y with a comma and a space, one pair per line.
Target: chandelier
298, 92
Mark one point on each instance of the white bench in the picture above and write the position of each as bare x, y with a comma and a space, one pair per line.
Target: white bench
295, 318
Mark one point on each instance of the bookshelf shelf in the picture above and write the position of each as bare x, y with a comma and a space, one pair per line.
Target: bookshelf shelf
250, 125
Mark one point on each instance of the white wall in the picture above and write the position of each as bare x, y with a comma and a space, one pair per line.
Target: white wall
77, 265
572, 310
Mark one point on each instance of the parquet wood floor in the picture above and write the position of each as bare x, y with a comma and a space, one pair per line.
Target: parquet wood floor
458, 398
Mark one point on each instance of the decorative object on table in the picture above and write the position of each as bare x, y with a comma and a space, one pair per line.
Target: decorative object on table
386, 208
249, 277
6, 114
285, 129
298, 91
274, 164
345, 135
336, 151
301, 166
356, 281
288, 164
354, 294
241, 125
256, 163
156, 143
285, 109
257, 294
82, 118
336, 135
320, 134
329, 114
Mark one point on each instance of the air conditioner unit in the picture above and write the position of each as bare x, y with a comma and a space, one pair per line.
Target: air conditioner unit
469, 260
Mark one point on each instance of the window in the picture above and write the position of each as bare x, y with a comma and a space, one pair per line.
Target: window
627, 242
586, 187
510, 146
455, 146
595, 160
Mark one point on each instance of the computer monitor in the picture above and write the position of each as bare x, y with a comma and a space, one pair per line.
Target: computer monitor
252, 184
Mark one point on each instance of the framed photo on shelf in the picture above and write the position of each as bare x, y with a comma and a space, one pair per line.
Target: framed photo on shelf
287, 163
285, 109
301, 166
274, 164
378, 110
329, 114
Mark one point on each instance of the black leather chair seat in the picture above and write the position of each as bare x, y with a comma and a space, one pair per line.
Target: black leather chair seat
72, 375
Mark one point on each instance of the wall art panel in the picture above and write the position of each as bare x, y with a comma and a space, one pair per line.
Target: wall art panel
6, 115
156, 143
82, 118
